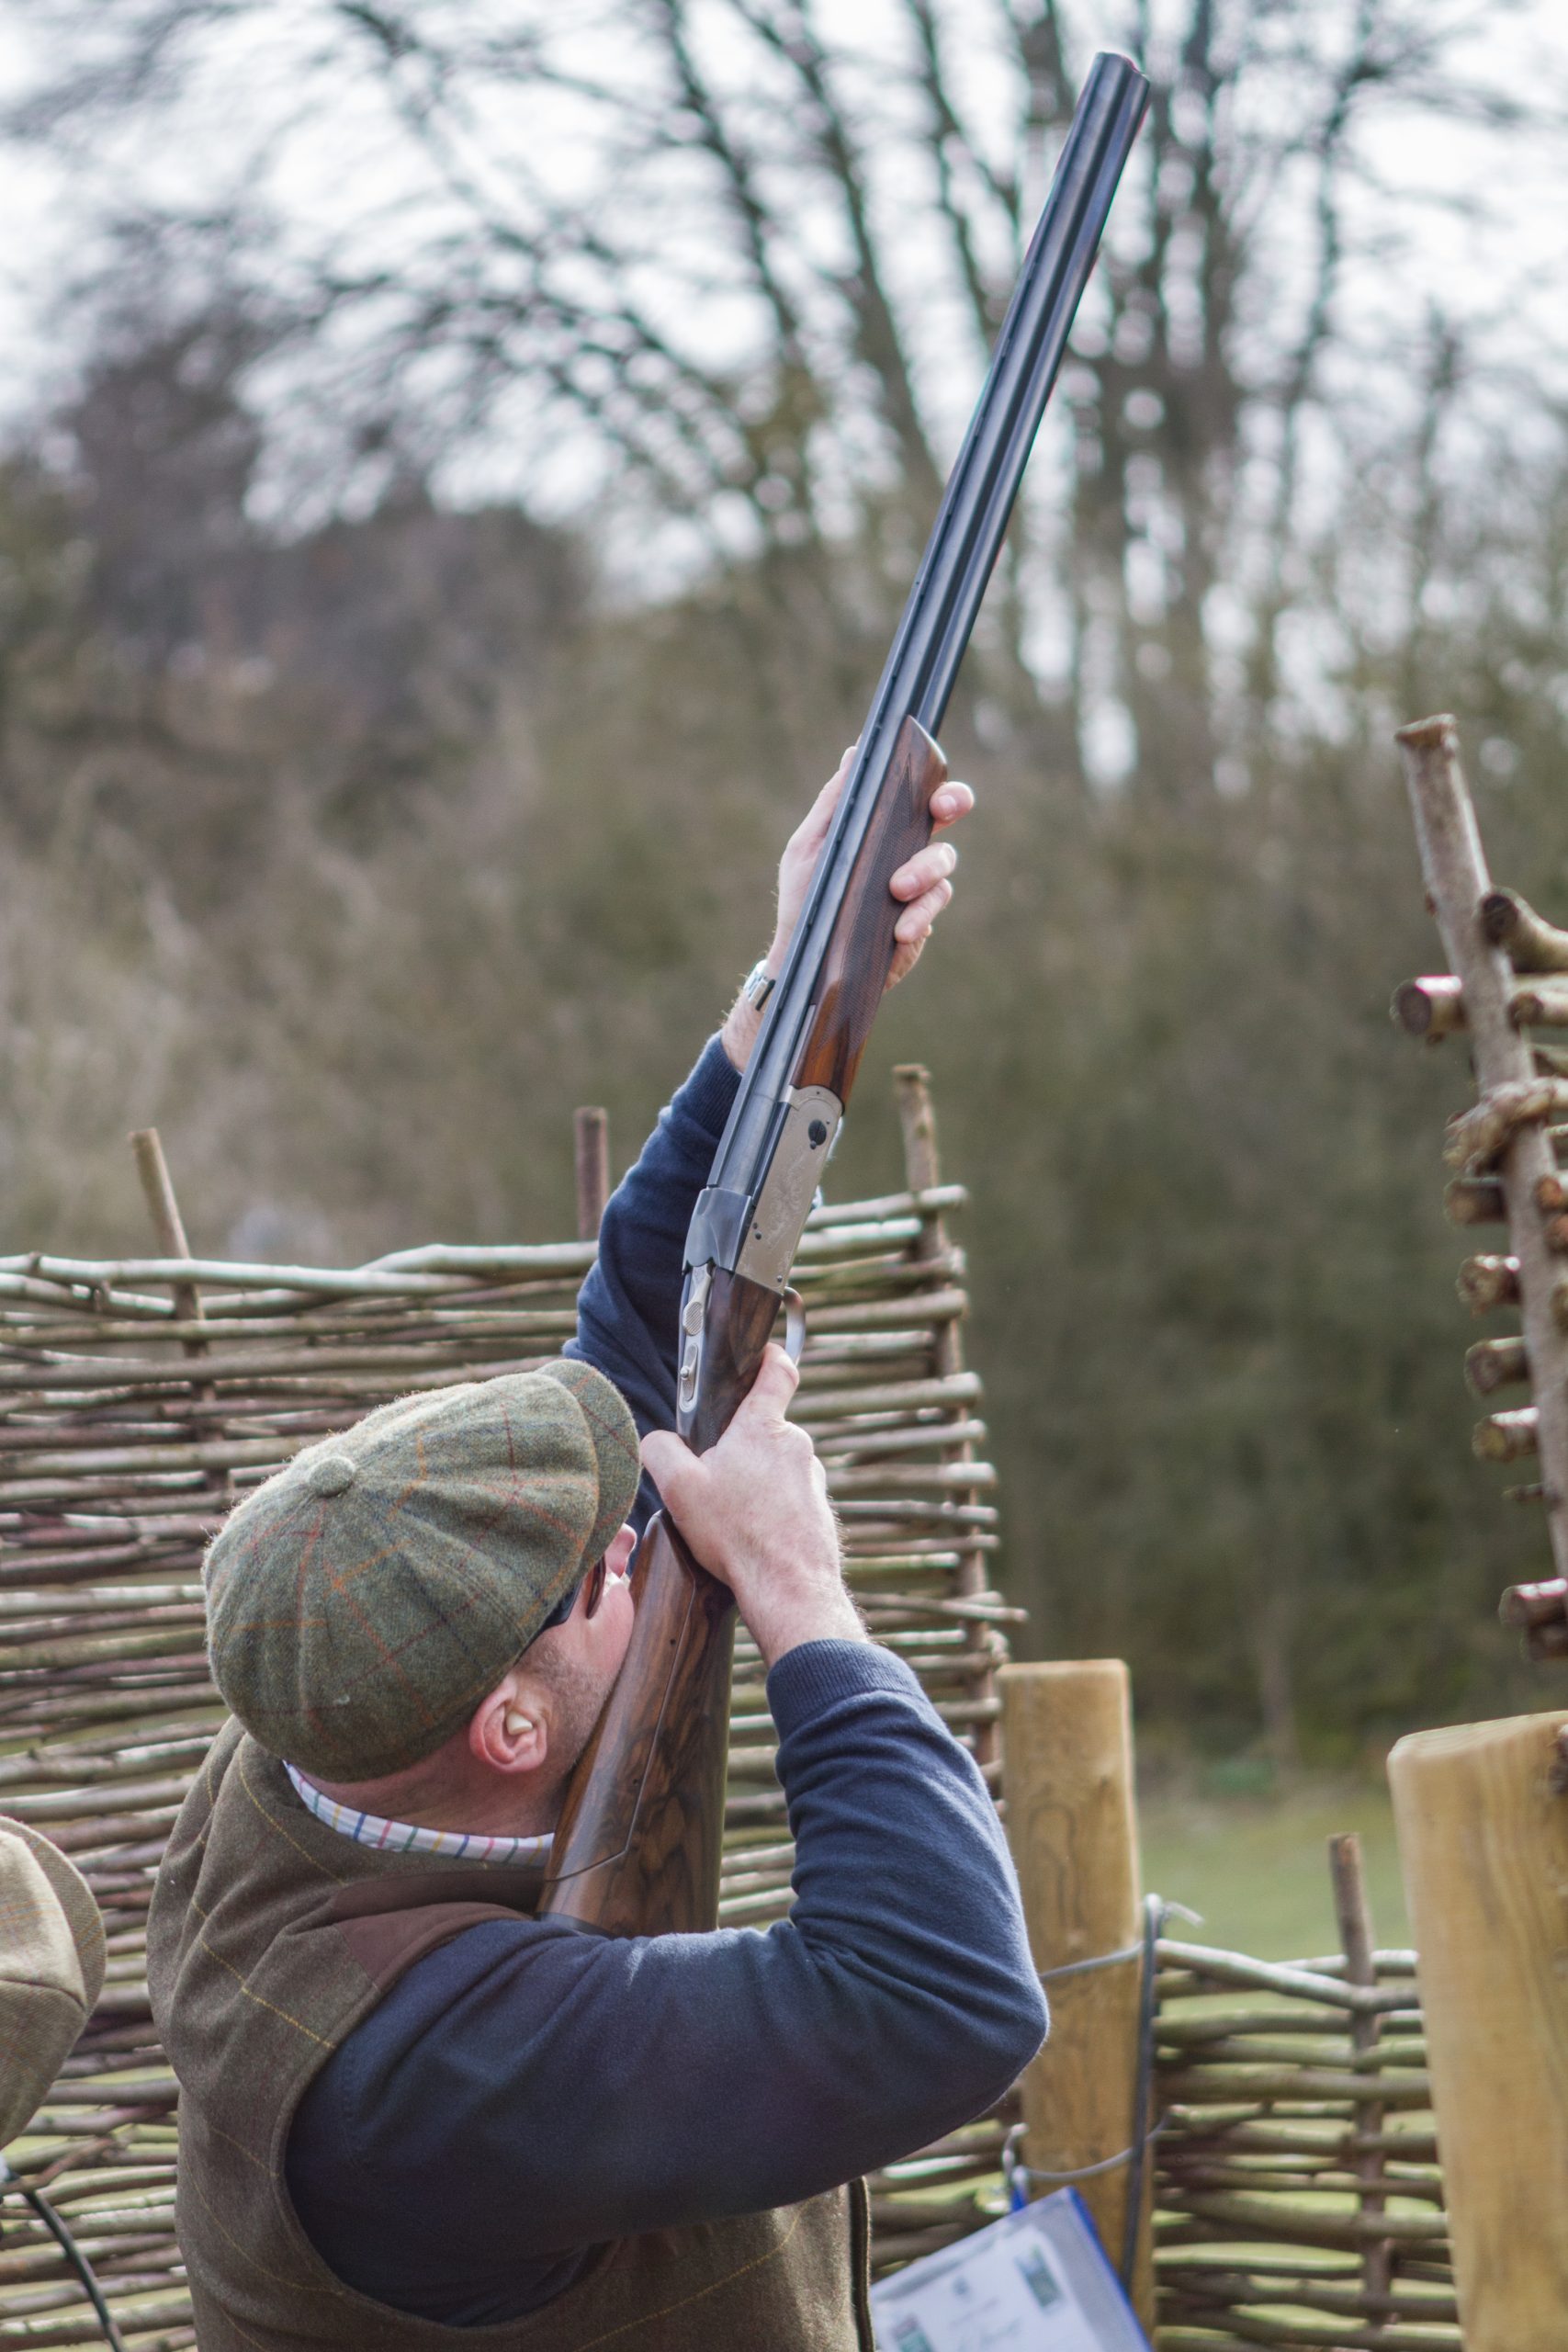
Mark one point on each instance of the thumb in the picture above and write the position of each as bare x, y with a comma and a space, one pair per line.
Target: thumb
776, 1382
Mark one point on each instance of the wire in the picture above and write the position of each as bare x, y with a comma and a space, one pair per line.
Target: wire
70, 2249
1135, 2156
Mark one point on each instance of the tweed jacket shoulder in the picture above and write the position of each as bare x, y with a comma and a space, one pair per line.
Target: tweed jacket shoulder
271, 1937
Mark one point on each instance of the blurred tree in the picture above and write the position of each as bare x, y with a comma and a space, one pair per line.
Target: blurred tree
740, 266
357, 829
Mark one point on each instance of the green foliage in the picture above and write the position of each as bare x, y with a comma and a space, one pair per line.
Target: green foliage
367, 857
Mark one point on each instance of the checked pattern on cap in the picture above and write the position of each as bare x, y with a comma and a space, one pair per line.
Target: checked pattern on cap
354, 1630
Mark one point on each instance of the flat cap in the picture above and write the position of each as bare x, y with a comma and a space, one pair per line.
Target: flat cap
51, 1968
365, 1599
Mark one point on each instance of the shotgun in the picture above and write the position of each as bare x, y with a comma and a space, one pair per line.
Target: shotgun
637, 1848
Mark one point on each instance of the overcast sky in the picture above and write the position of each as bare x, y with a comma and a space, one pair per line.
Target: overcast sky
1482, 242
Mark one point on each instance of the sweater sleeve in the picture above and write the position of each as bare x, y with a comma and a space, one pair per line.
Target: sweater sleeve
630, 1308
528, 2091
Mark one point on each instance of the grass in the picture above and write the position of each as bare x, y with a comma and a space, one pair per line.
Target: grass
1256, 1868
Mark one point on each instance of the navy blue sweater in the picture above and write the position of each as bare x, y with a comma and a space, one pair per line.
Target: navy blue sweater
527, 2091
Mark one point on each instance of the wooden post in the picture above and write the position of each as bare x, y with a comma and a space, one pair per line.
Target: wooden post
1072, 1824
1483, 1842
163, 1208
1357, 1942
1453, 866
922, 1174
593, 1137
158, 1189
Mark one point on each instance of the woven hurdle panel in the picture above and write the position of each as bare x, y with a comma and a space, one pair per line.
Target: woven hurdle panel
140, 1398
1298, 2196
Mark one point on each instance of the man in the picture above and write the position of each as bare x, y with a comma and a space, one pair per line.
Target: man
414, 2114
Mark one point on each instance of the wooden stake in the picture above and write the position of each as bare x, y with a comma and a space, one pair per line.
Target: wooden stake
1457, 885
592, 1129
1483, 1842
168, 1225
1072, 1824
1358, 1944
922, 1174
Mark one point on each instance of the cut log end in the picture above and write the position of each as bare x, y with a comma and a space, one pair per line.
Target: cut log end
1527, 1607
1540, 1002
1439, 733
1486, 1283
1531, 942
1475, 1200
1431, 1008
1508, 1437
1492, 1364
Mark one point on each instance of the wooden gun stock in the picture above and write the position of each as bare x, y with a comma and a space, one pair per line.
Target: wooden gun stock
862, 946
637, 1850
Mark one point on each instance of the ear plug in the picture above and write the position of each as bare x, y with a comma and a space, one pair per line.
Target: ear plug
515, 1724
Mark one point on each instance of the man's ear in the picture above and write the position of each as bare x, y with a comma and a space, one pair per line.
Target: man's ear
508, 1732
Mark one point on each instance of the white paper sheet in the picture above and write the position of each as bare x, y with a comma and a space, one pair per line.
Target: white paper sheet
1037, 2281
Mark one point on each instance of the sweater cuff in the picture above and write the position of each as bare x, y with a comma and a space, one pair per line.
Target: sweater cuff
708, 1093
809, 1679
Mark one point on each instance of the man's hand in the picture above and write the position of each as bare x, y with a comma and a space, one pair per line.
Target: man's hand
754, 1510
922, 885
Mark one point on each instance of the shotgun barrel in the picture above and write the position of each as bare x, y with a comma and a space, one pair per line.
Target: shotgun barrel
938, 618
637, 1848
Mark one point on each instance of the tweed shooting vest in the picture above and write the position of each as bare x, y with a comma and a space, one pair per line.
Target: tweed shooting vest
271, 1937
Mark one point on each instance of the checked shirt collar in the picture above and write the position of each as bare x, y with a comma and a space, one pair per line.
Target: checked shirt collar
402, 1837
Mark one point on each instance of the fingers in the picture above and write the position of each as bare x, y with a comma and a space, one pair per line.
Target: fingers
924, 870
949, 802
914, 925
669, 1462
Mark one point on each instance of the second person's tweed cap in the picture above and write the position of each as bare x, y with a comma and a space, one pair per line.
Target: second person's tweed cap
51, 1968
365, 1599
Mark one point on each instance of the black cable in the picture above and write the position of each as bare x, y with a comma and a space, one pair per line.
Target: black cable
75, 2257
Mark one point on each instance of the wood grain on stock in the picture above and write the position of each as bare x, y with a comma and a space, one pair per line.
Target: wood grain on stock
637, 1846
860, 952
741, 1319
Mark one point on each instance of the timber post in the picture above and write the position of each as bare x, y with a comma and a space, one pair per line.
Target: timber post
1072, 1824
922, 1174
591, 1159
163, 1208
1509, 1163
1484, 1844
1358, 1943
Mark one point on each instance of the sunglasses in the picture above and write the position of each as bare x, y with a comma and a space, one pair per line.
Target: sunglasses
592, 1588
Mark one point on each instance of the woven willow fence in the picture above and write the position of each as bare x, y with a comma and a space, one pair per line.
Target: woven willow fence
139, 1399
1298, 2202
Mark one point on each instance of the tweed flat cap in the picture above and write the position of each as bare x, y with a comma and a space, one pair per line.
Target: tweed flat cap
51, 1968
363, 1601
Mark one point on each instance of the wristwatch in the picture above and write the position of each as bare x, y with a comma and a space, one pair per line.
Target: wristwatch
758, 984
